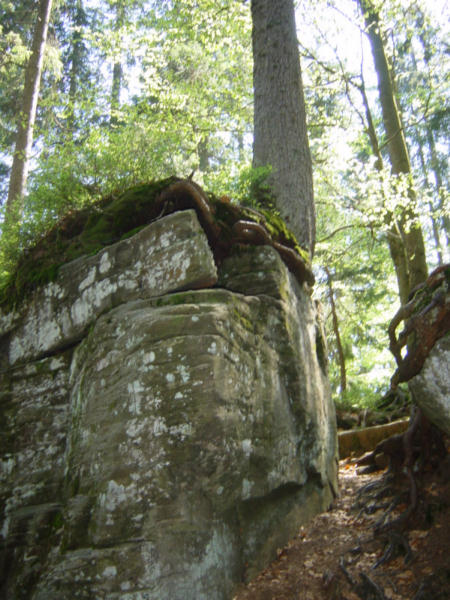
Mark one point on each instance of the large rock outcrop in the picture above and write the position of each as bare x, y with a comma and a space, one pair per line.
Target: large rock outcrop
165, 426
431, 387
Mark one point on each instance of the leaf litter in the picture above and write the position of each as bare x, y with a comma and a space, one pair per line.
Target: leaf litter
339, 556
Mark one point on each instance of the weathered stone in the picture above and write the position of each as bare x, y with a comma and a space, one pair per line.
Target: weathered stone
34, 421
169, 254
179, 443
358, 441
254, 270
431, 387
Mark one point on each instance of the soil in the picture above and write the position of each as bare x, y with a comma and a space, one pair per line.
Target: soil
334, 557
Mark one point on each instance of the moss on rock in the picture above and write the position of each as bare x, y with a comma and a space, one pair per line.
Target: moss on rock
119, 216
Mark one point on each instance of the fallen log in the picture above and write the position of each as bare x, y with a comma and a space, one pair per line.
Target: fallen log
359, 441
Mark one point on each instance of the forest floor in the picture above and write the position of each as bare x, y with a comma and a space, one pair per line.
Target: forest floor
334, 556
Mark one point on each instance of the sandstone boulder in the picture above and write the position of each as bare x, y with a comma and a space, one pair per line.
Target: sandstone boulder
431, 387
160, 441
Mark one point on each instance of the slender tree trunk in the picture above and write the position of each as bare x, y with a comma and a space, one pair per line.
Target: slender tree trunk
433, 155
203, 155
397, 149
240, 145
27, 115
438, 181
117, 68
280, 135
395, 235
371, 132
434, 225
337, 335
425, 168
115, 91
435, 167
76, 60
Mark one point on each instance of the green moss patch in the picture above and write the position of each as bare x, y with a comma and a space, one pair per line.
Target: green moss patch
119, 216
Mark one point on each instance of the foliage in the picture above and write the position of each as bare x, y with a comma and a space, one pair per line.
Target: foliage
121, 214
185, 106
355, 200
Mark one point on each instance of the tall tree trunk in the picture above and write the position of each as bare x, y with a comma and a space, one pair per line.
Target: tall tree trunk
434, 164
394, 235
337, 335
435, 167
117, 67
115, 91
79, 20
280, 135
438, 181
397, 149
27, 114
434, 225
203, 155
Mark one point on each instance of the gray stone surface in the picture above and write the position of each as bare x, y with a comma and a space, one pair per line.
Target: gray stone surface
167, 255
179, 441
431, 387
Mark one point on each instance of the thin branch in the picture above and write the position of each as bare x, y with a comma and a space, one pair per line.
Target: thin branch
336, 231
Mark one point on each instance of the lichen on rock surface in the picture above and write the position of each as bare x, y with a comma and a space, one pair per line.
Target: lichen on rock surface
166, 416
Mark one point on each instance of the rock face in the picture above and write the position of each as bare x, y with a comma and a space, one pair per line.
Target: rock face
431, 387
165, 427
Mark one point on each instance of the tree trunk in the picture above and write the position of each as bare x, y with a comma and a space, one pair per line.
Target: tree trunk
438, 181
394, 235
435, 167
433, 163
117, 68
27, 115
280, 135
337, 335
79, 20
203, 155
396, 144
115, 91
434, 225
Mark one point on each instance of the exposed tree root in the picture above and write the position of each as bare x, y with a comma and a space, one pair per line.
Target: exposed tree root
368, 589
419, 447
342, 565
426, 318
397, 544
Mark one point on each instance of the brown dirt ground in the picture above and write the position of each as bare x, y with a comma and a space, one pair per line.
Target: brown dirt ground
330, 557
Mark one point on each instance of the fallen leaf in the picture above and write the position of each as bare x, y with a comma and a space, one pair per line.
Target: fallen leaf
405, 575
418, 533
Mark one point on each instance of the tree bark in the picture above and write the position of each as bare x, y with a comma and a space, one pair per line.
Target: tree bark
115, 91
433, 164
409, 229
280, 134
203, 155
438, 181
394, 235
435, 167
79, 20
117, 69
434, 225
27, 114
337, 335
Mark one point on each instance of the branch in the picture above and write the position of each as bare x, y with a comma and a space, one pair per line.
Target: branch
336, 231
